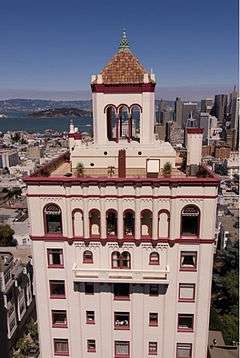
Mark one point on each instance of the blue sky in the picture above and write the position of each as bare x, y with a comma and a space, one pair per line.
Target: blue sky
56, 45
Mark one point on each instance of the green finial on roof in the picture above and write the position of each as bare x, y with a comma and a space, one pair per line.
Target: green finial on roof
124, 45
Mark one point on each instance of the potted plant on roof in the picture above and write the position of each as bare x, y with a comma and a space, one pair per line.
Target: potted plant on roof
167, 169
80, 169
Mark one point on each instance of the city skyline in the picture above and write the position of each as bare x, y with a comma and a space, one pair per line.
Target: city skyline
181, 42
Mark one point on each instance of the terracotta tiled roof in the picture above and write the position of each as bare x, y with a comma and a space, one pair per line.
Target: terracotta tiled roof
123, 68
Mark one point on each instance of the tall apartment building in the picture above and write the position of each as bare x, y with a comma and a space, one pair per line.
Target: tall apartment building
16, 301
178, 112
123, 254
207, 105
183, 111
220, 108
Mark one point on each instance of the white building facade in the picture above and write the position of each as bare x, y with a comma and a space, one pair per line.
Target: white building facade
122, 253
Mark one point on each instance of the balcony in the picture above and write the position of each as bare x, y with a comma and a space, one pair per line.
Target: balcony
120, 275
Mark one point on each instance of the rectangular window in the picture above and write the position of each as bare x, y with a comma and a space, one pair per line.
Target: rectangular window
59, 319
184, 350
121, 320
91, 345
153, 319
55, 257
122, 349
90, 317
185, 322
186, 292
57, 289
89, 288
152, 348
121, 291
153, 290
61, 347
188, 260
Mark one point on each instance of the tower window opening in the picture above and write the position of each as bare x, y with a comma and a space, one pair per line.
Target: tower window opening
190, 221
111, 223
129, 223
94, 218
53, 219
146, 223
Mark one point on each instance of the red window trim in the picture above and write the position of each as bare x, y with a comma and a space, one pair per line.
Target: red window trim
57, 296
188, 269
149, 351
90, 321
193, 268
179, 329
55, 266
48, 258
122, 355
54, 296
153, 323
122, 298
61, 325
121, 259
91, 350
190, 345
190, 300
60, 353
152, 262
87, 261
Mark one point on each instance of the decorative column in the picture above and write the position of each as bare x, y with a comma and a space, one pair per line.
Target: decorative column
137, 215
129, 127
155, 217
103, 216
117, 127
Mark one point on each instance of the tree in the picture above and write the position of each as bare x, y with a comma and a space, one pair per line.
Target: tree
23, 345
33, 329
167, 169
80, 169
6, 236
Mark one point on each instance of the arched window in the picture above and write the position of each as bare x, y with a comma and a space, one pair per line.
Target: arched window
146, 223
163, 224
154, 258
87, 257
111, 222
52, 219
124, 121
94, 223
77, 223
121, 261
190, 221
128, 223
111, 122
135, 118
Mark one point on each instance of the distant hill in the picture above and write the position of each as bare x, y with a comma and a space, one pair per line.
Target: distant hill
61, 112
30, 105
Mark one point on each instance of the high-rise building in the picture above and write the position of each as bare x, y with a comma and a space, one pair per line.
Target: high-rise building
220, 108
189, 109
123, 251
209, 125
207, 105
178, 112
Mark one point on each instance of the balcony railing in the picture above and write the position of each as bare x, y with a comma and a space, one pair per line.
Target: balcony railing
116, 275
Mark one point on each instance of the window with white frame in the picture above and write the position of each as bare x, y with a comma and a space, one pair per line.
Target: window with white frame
186, 292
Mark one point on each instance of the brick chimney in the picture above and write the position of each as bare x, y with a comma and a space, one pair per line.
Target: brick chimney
194, 149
